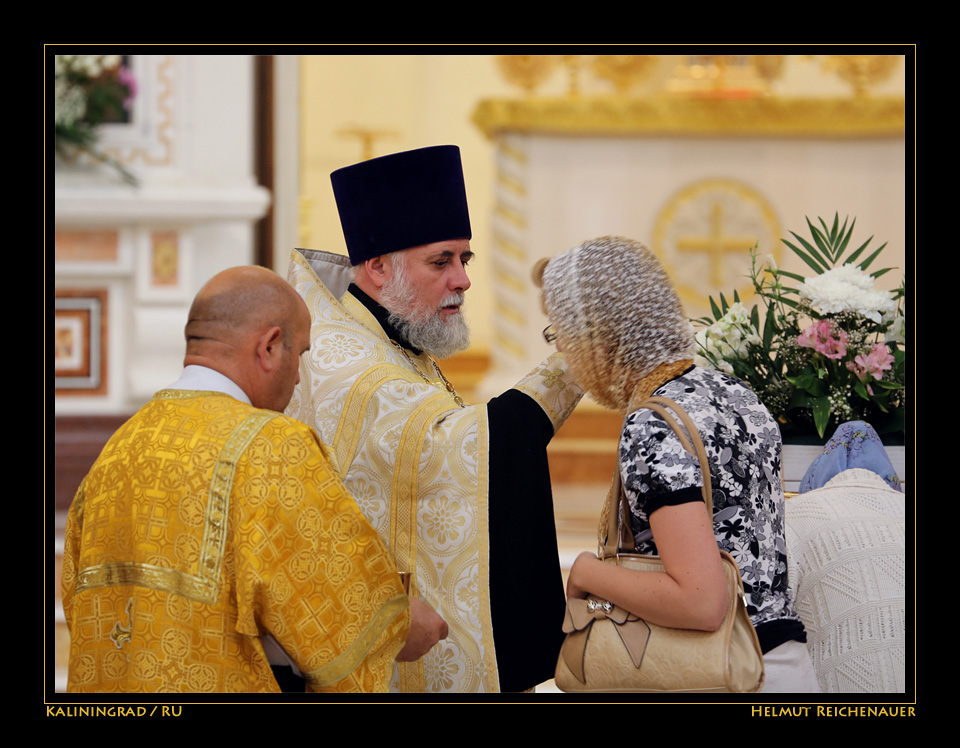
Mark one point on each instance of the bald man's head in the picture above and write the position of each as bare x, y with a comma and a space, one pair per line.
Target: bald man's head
249, 324
237, 301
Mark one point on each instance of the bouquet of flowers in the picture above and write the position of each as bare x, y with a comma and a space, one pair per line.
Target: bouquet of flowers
826, 348
88, 91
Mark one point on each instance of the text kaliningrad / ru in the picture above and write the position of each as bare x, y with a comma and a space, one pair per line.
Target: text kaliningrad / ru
111, 711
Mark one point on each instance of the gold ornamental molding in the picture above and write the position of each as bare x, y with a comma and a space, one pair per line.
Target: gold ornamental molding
696, 116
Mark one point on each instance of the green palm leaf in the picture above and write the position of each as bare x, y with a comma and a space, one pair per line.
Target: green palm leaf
816, 264
821, 239
866, 263
859, 250
845, 237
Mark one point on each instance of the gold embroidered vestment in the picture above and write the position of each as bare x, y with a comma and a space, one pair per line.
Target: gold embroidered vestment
205, 524
418, 465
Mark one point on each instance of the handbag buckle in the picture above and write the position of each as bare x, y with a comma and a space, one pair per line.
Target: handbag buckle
594, 605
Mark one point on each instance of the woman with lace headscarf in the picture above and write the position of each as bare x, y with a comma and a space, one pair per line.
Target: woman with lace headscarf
616, 315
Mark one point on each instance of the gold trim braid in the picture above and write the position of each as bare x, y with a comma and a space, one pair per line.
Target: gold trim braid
403, 520
132, 573
347, 662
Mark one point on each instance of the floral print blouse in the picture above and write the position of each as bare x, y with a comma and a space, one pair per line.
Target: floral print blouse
742, 442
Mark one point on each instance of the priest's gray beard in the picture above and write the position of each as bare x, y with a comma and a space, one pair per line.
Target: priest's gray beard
425, 329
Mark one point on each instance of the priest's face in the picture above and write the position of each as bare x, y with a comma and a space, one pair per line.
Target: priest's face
424, 292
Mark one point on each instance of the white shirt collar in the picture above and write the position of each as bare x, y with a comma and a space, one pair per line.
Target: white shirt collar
203, 379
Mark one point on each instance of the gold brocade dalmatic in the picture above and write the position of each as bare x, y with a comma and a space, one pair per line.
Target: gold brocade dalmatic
417, 464
206, 524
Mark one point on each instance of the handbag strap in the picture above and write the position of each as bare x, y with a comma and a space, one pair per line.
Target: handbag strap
617, 508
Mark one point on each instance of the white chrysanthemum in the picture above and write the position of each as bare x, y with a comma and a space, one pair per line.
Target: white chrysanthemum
848, 289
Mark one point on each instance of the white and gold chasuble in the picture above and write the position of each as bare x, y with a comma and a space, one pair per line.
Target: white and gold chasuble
206, 524
415, 462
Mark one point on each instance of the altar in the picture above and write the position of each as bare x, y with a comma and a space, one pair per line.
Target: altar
700, 181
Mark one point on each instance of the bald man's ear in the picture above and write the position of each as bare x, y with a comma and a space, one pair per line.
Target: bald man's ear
269, 349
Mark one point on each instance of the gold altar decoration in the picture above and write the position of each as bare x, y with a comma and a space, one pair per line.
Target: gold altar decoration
703, 95
704, 116
624, 71
527, 71
530, 71
574, 65
769, 68
725, 75
862, 71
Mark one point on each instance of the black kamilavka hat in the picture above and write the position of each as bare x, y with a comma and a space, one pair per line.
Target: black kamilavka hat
401, 201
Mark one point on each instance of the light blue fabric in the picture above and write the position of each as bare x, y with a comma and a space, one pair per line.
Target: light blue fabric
855, 444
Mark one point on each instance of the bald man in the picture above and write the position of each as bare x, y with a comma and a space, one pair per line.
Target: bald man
211, 538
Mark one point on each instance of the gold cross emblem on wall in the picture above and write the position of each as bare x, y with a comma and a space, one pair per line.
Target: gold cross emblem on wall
715, 244
704, 234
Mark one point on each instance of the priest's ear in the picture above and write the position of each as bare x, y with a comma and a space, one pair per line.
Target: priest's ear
375, 270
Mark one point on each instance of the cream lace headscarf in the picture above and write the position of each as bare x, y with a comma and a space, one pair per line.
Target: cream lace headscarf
618, 319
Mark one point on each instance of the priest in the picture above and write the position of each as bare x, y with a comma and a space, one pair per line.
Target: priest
460, 493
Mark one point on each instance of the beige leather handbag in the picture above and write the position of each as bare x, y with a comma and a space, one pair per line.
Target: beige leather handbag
610, 650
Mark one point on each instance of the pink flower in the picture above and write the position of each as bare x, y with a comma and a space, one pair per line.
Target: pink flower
874, 363
125, 77
819, 336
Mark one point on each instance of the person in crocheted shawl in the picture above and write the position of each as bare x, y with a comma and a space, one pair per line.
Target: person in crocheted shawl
616, 315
